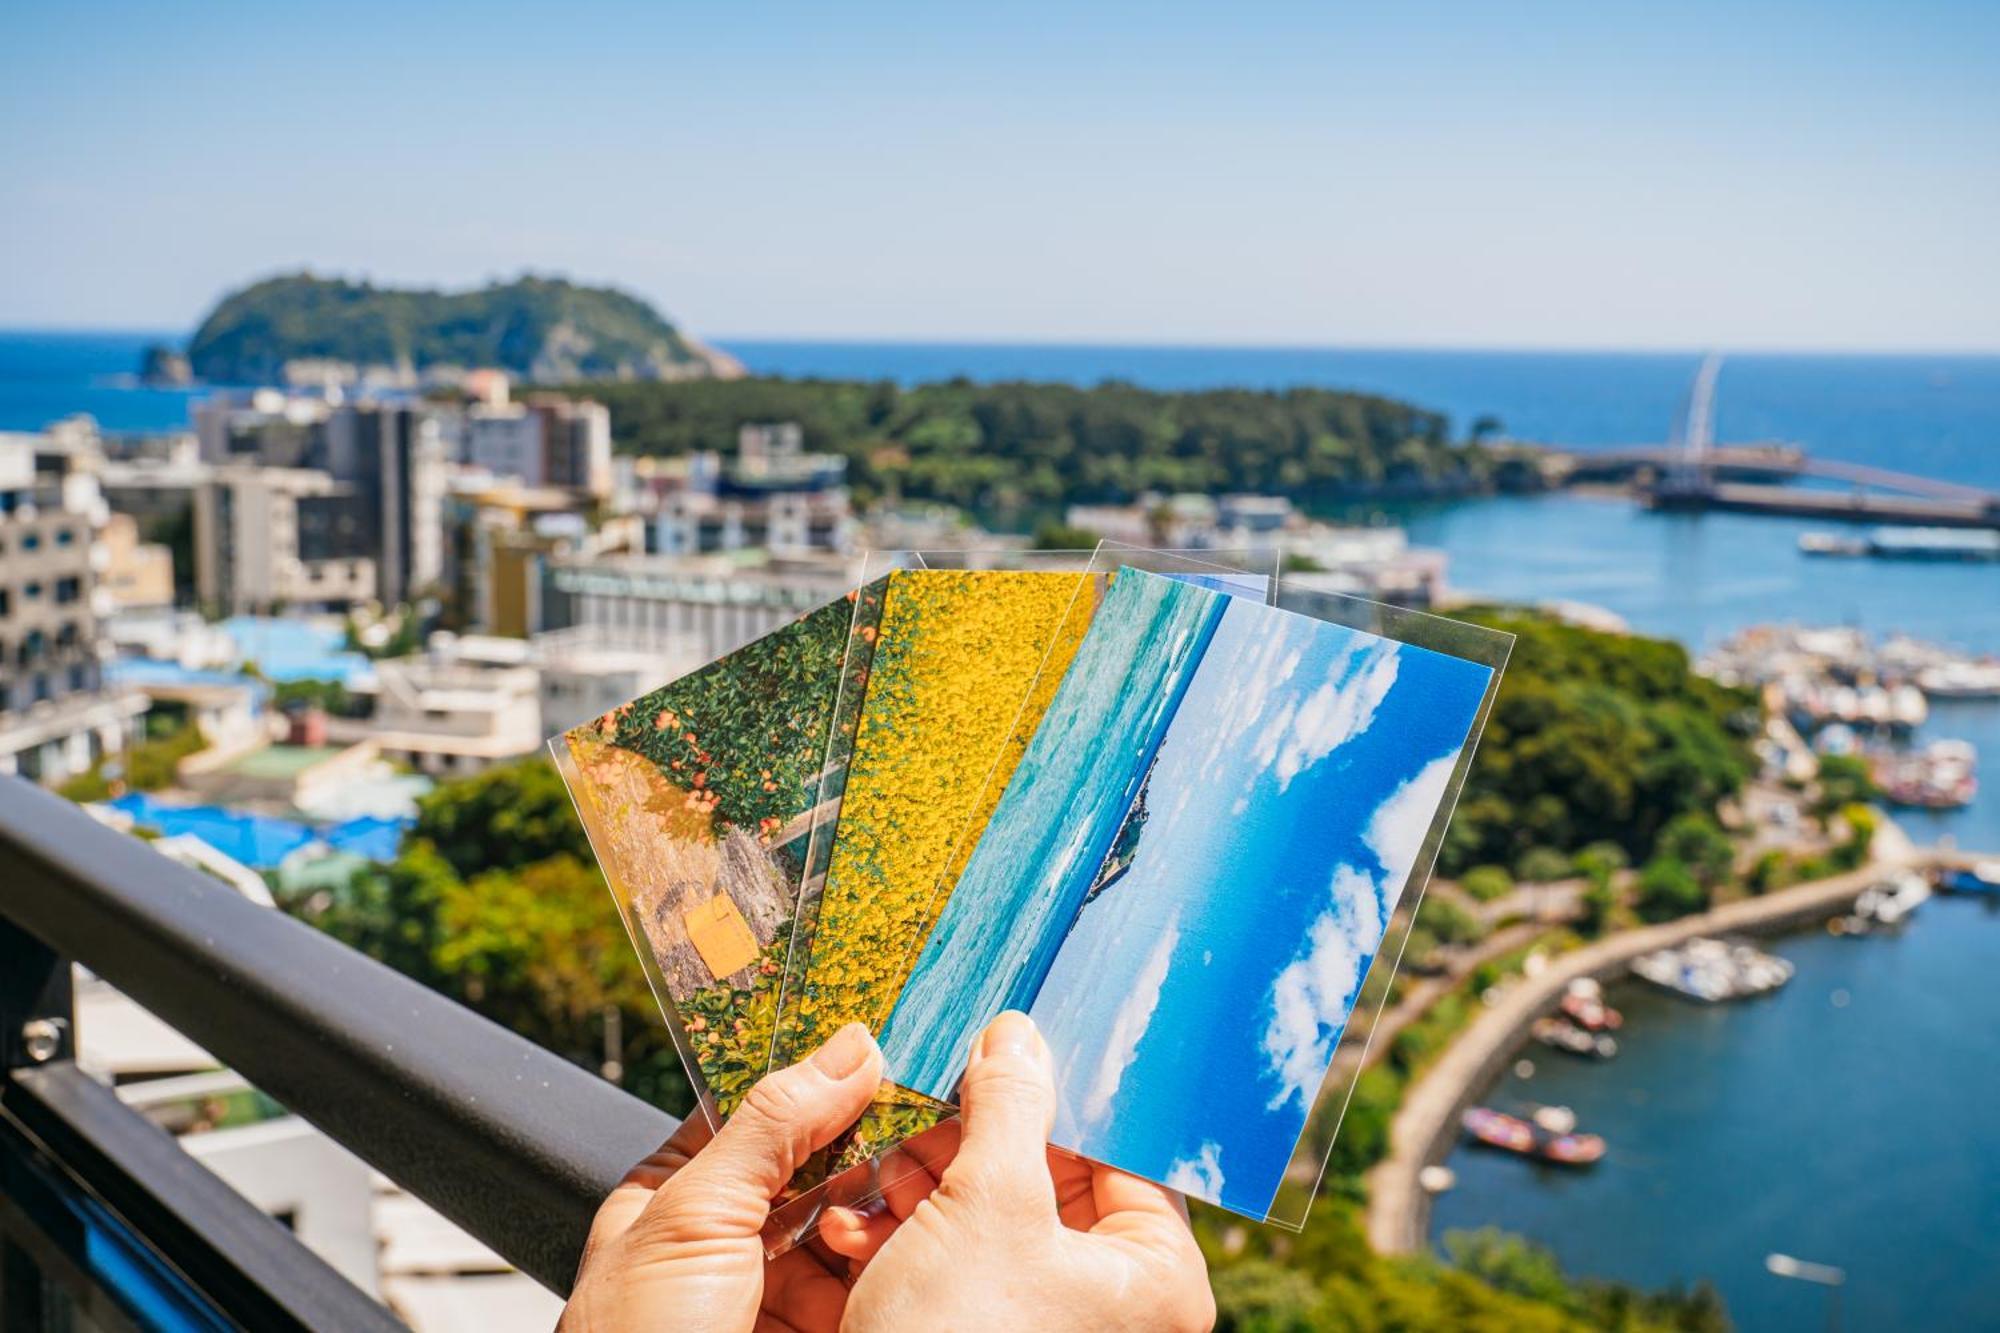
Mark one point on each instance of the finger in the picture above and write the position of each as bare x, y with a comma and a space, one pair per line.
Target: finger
907, 1180
1076, 1204
635, 1189
1123, 1200
1007, 1105
727, 1189
855, 1234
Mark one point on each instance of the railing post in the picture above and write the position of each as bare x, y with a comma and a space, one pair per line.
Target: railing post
37, 1002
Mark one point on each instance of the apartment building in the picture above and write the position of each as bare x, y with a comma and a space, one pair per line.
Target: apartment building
549, 440
269, 538
772, 495
378, 500
56, 715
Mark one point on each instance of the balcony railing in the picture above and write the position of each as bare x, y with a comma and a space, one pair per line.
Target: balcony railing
513, 1144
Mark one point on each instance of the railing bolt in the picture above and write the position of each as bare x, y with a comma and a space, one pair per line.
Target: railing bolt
41, 1038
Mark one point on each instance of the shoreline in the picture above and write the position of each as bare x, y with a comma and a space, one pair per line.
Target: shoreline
1426, 1124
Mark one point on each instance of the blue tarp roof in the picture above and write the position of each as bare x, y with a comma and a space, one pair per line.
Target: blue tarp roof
286, 649
260, 841
376, 839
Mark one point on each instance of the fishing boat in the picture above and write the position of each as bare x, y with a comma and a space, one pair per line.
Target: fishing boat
1583, 1004
1712, 970
1563, 1035
1509, 1133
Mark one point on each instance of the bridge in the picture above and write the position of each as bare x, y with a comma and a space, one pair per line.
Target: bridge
1693, 473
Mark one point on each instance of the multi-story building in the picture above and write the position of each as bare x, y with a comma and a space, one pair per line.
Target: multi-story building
393, 454
362, 482
270, 538
772, 496
56, 716
689, 610
549, 440
461, 704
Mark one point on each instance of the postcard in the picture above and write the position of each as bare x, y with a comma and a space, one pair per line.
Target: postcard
947, 686
1188, 874
698, 800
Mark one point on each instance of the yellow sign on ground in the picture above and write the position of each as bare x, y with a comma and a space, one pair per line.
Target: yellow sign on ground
721, 936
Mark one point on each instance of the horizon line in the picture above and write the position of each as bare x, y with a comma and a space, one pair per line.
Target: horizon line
179, 339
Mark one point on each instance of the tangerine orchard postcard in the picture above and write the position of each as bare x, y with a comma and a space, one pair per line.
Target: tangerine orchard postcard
1188, 875
698, 799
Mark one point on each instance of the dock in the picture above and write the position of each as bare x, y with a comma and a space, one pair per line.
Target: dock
1975, 510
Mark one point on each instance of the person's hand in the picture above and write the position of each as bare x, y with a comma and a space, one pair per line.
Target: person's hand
678, 1242
1009, 1234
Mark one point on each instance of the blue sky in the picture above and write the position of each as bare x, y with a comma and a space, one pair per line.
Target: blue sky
1479, 174
1195, 1006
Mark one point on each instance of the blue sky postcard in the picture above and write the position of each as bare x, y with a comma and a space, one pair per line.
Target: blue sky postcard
1188, 875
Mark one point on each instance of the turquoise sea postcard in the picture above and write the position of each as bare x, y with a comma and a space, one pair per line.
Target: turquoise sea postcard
1188, 875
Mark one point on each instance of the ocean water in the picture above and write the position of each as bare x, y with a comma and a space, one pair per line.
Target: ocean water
999, 933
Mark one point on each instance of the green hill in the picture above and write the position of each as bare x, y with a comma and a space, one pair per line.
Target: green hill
547, 329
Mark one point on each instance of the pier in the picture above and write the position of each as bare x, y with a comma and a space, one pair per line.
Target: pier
1693, 473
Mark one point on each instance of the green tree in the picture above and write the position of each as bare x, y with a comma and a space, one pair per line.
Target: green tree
1668, 889
1844, 779
507, 817
1698, 842
1539, 865
1486, 883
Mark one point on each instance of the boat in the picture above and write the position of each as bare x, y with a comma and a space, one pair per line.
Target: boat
1509, 1133
1897, 543
1713, 970
1940, 776
1831, 543
1583, 1004
1563, 1035
1889, 903
1961, 678
1980, 877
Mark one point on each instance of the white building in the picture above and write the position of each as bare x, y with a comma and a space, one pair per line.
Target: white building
586, 674
548, 440
692, 610
56, 715
277, 537
462, 704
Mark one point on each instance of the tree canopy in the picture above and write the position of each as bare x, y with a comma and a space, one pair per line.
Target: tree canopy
993, 446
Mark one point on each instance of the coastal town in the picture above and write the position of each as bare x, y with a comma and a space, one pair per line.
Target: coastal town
260, 641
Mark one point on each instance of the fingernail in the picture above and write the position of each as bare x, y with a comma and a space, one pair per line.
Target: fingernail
1012, 1033
846, 1051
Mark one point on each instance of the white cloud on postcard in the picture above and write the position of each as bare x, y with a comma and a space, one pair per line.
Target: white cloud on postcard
1199, 1175
1129, 1025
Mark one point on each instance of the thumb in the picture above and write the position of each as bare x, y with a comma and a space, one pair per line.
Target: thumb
1008, 1103
727, 1189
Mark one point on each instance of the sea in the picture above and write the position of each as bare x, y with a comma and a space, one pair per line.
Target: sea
1845, 1120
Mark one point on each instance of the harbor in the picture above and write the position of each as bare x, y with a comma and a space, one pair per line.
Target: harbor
1714, 1116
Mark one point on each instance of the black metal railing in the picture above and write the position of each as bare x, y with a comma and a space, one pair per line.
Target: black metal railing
510, 1142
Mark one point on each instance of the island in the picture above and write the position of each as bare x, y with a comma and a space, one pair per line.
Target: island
544, 328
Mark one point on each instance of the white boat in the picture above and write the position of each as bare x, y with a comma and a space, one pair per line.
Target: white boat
1891, 902
1713, 970
1961, 679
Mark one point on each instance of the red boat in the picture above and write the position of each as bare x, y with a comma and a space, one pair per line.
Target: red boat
1512, 1134
1583, 1004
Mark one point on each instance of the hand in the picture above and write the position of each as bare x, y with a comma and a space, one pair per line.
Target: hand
677, 1244
1009, 1234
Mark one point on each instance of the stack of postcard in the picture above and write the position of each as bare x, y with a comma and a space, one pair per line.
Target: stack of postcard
1167, 808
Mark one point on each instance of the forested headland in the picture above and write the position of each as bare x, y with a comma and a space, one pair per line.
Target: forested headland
994, 447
